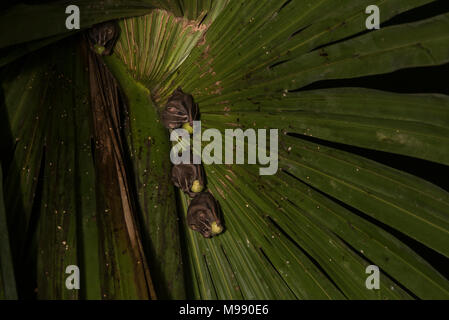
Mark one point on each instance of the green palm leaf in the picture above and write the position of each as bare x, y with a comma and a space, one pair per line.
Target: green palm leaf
412, 125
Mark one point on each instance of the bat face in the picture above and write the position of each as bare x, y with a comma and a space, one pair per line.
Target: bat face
180, 109
102, 37
203, 215
189, 178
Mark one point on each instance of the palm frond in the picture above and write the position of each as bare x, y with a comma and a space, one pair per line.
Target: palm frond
86, 167
60, 207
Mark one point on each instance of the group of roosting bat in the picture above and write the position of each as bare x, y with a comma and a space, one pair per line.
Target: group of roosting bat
203, 214
181, 110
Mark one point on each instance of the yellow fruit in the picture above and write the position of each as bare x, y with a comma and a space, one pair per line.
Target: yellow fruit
216, 229
99, 49
196, 186
186, 126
